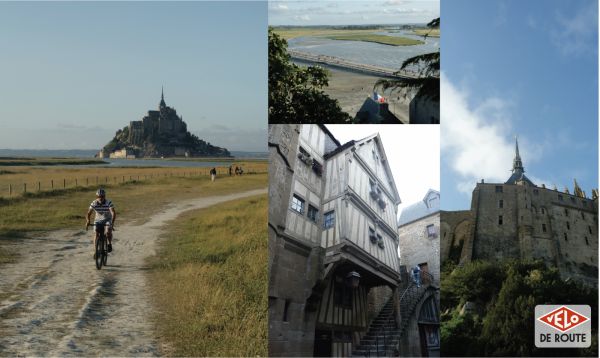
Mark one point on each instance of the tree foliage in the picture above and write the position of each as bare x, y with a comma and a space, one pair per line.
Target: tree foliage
427, 84
505, 295
295, 93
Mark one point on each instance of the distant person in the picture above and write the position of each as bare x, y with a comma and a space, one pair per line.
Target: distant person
241, 171
105, 215
213, 174
237, 170
230, 170
416, 271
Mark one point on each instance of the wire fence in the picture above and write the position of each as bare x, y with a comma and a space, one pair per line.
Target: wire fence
31, 183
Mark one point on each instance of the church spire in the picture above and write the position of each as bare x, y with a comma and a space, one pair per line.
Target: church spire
162, 98
517, 163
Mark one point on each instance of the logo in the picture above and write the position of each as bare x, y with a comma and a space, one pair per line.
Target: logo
564, 319
559, 326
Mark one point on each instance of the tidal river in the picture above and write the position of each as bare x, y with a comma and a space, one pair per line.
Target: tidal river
369, 53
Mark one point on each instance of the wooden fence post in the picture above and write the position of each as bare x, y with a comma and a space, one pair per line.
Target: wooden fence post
64, 183
24, 187
39, 186
9, 189
52, 184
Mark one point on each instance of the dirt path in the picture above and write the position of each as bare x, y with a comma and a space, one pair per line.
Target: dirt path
53, 301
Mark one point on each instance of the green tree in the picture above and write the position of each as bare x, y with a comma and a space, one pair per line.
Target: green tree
295, 93
427, 83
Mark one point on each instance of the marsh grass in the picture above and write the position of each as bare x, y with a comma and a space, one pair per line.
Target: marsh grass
380, 39
209, 281
134, 201
19, 178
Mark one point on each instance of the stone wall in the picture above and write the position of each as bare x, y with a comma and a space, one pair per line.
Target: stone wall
455, 232
417, 246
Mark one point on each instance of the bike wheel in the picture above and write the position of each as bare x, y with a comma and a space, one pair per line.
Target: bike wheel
105, 252
99, 249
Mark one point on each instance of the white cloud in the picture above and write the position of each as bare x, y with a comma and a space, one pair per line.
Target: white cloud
477, 141
575, 34
302, 18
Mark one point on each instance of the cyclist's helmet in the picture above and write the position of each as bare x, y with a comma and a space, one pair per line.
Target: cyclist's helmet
101, 192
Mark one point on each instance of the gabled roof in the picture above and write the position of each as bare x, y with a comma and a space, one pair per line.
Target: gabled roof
419, 209
377, 140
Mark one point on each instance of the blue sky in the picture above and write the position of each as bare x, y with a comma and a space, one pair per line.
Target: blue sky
328, 12
526, 68
71, 74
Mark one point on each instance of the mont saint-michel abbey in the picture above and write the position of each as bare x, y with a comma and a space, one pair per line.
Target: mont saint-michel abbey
520, 220
160, 133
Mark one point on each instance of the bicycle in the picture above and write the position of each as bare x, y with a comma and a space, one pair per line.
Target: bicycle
101, 255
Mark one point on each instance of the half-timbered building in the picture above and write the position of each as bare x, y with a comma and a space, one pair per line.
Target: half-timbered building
333, 241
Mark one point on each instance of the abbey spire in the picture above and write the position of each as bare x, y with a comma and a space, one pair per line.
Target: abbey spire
517, 163
518, 172
162, 98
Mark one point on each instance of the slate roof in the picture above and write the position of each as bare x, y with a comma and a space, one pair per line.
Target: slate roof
418, 210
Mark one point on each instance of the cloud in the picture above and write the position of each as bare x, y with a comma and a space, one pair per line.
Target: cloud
278, 8
302, 18
476, 141
575, 35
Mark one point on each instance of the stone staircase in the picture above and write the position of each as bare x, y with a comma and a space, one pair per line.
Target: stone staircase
384, 333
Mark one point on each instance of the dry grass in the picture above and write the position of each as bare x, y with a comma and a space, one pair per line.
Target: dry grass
134, 201
210, 281
15, 179
293, 32
380, 39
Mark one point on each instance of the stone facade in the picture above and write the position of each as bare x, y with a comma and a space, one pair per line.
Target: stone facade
419, 228
332, 240
519, 220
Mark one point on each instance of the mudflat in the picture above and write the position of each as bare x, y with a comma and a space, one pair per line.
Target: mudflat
351, 89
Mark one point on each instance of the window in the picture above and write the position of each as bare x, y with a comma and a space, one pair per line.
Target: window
566, 238
543, 211
379, 241
304, 156
372, 236
498, 188
317, 167
560, 198
586, 241
430, 231
297, 204
590, 229
500, 203
500, 220
566, 212
582, 216
286, 308
313, 213
536, 192
328, 219
543, 227
568, 226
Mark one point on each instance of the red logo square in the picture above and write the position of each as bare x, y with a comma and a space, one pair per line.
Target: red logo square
563, 319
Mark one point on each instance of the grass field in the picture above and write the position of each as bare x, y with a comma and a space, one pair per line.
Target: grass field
380, 39
210, 281
134, 201
346, 35
14, 180
430, 32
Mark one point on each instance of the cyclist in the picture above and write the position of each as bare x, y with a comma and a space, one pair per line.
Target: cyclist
105, 214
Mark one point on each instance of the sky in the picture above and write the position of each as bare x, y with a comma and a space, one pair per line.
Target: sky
325, 12
412, 152
518, 68
71, 74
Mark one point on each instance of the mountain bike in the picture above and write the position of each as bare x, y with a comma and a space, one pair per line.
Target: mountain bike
101, 255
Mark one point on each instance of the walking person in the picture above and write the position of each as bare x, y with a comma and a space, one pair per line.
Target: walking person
416, 271
213, 174
230, 169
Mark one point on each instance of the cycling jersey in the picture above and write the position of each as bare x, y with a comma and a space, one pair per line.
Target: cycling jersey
102, 210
